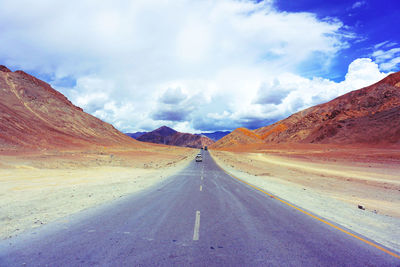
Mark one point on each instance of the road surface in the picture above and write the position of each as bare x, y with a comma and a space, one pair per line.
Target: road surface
199, 217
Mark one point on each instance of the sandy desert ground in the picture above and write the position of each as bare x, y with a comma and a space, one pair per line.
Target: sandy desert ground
330, 182
37, 188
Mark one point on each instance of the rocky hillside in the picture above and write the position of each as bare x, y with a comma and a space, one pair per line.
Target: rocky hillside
240, 136
158, 136
168, 136
368, 115
35, 116
190, 140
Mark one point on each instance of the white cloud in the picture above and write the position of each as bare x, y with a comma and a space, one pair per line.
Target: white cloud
201, 62
91, 93
359, 4
386, 44
391, 64
362, 72
388, 58
173, 96
304, 93
272, 93
382, 56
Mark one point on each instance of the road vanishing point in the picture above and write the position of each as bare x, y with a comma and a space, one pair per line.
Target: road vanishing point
201, 216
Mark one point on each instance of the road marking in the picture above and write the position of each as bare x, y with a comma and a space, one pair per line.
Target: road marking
201, 188
317, 218
196, 226
202, 177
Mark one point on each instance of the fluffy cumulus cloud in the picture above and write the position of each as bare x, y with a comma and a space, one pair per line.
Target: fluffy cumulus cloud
193, 65
272, 93
173, 96
288, 93
172, 106
301, 92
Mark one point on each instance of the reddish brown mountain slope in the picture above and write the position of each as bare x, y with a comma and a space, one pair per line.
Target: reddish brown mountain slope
157, 136
368, 115
240, 136
168, 136
190, 140
35, 116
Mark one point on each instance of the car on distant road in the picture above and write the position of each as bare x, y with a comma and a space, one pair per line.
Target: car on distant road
199, 158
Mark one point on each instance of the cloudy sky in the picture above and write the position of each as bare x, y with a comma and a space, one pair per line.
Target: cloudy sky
200, 65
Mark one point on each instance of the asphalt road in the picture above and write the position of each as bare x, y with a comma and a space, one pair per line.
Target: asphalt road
199, 217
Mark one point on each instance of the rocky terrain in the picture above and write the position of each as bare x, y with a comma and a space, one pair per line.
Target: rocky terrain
34, 116
240, 136
189, 140
167, 136
158, 136
370, 115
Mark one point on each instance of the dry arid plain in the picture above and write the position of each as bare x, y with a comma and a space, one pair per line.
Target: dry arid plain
39, 187
330, 181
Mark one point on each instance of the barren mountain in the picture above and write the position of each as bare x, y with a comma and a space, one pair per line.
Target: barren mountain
168, 136
368, 115
240, 136
158, 136
215, 136
35, 116
189, 140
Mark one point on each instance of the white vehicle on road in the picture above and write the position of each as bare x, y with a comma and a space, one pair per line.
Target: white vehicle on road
199, 158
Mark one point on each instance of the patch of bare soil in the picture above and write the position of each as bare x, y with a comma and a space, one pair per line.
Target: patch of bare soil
370, 177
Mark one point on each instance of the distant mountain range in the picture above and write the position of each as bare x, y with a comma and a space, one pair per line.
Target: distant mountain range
215, 136
168, 136
34, 116
135, 135
370, 115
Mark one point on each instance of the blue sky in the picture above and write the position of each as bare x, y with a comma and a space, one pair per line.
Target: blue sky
200, 65
371, 21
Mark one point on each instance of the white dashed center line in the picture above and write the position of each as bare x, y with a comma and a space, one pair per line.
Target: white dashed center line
201, 188
196, 226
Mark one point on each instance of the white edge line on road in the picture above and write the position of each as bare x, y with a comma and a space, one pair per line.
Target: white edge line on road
196, 226
201, 188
